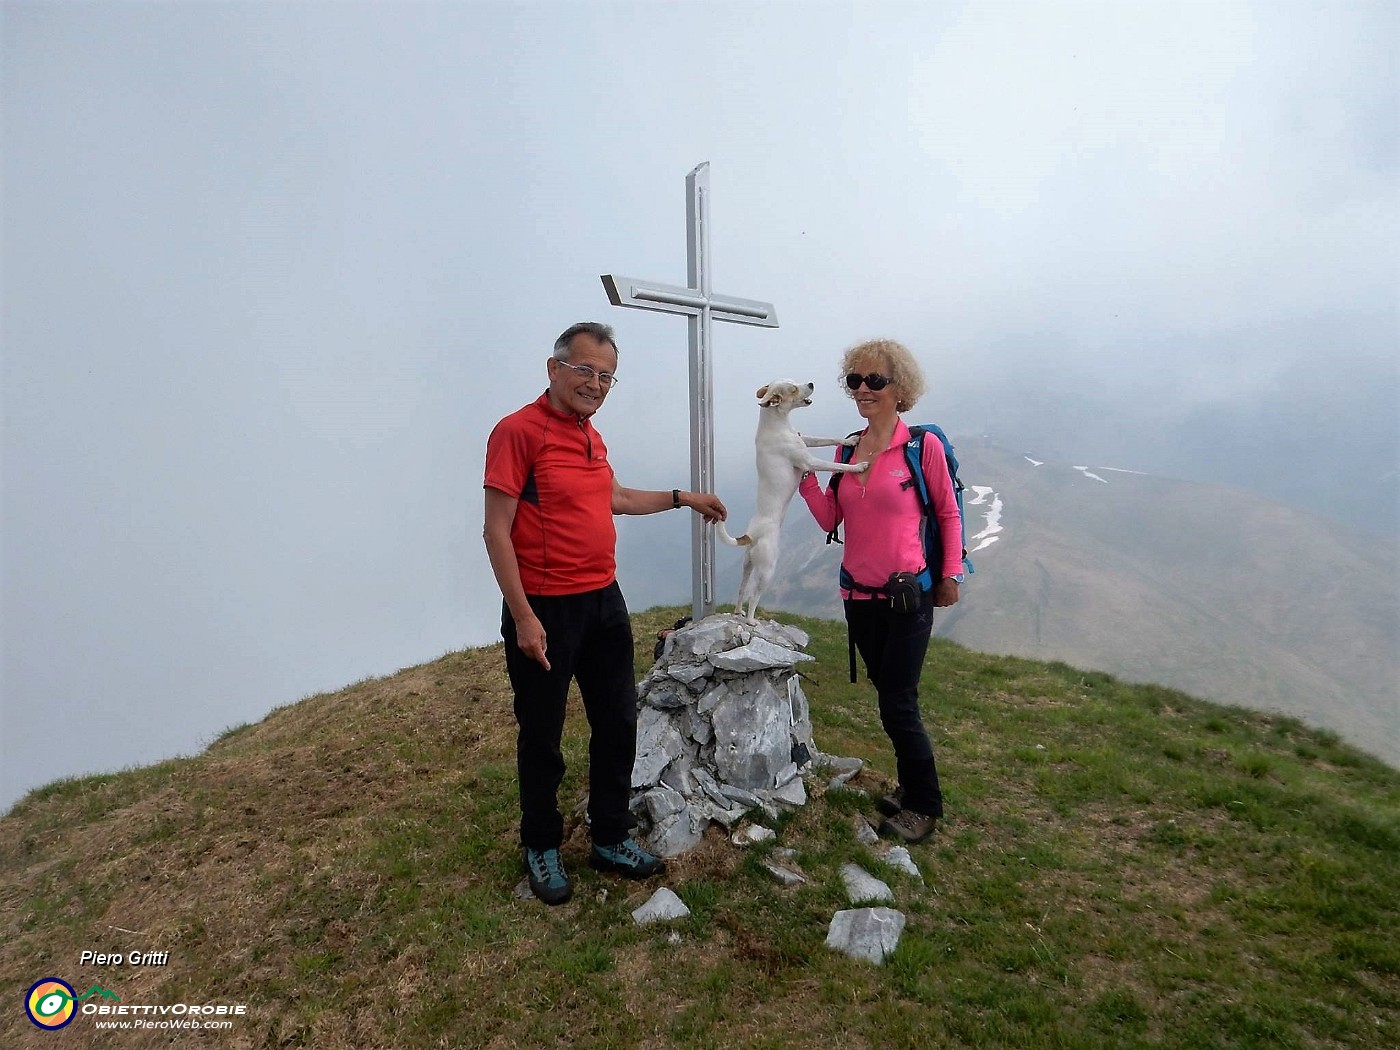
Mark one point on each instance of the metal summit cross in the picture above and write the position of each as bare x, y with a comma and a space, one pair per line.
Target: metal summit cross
699, 305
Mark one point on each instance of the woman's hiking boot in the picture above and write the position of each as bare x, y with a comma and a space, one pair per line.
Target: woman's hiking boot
548, 880
909, 826
892, 803
628, 859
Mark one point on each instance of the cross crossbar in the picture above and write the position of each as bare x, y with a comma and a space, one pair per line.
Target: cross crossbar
673, 299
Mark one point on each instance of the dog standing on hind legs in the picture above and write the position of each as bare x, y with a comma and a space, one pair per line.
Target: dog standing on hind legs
782, 457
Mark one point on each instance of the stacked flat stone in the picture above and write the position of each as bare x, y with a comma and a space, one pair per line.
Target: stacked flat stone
723, 728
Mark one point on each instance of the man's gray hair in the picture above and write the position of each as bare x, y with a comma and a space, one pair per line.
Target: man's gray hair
599, 331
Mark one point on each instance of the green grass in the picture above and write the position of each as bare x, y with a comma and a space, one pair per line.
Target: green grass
1122, 866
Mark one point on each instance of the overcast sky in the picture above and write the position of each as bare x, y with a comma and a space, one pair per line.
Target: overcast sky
271, 271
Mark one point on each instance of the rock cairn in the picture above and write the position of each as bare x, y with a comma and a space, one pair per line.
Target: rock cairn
723, 729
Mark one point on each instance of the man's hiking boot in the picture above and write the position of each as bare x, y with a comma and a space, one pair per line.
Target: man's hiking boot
909, 826
628, 859
892, 803
548, 881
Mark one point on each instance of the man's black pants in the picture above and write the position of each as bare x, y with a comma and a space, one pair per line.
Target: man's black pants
588, 638
893, 646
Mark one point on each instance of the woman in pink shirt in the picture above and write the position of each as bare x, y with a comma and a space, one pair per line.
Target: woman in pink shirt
883, 523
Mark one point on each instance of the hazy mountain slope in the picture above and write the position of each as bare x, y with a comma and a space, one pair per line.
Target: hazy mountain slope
1211, 590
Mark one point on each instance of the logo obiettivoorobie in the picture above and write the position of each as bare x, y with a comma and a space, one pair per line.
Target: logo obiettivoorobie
50, 1003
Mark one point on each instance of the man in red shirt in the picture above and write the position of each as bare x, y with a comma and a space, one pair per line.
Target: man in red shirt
550, 501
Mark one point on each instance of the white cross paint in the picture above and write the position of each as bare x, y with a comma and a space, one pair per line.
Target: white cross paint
699, 305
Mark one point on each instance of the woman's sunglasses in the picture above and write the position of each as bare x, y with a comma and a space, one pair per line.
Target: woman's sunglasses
875, 381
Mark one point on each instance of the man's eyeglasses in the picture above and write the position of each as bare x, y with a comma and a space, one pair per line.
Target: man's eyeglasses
875, 381
605, 379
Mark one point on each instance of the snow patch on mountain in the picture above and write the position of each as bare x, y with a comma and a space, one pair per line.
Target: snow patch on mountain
991, 499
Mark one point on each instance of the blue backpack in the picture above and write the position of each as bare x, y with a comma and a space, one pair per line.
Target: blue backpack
913, 455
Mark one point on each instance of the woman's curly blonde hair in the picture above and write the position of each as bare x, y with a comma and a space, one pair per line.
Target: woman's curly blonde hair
888, 358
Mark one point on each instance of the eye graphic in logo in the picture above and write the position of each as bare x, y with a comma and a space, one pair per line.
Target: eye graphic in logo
50, 1003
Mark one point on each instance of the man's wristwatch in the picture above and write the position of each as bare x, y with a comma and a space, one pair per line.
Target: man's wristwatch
956, 579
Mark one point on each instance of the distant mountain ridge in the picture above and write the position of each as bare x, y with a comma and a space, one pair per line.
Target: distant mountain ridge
1211, 590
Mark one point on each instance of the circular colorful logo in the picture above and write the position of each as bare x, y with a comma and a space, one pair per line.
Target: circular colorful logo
50, 1003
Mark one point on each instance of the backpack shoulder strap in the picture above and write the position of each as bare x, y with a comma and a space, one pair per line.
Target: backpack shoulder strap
914, 458
843, 455
845, 452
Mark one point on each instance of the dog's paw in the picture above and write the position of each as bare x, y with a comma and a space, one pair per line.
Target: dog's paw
861, 467
850, 442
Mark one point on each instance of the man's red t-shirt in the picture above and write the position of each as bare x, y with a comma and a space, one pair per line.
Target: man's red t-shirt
556, 465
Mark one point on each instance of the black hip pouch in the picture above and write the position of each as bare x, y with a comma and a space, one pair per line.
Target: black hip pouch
904, 591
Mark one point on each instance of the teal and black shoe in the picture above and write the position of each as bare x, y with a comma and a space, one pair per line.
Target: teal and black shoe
628, 858
548, 880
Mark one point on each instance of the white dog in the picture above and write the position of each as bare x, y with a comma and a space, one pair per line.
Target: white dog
782, 458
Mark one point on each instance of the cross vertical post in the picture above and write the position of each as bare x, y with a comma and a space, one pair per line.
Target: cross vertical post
700, 306
702, 389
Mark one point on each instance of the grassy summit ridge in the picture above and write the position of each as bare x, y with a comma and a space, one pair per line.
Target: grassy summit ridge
1122, 866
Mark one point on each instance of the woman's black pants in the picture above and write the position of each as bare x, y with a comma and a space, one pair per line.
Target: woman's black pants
893, 646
